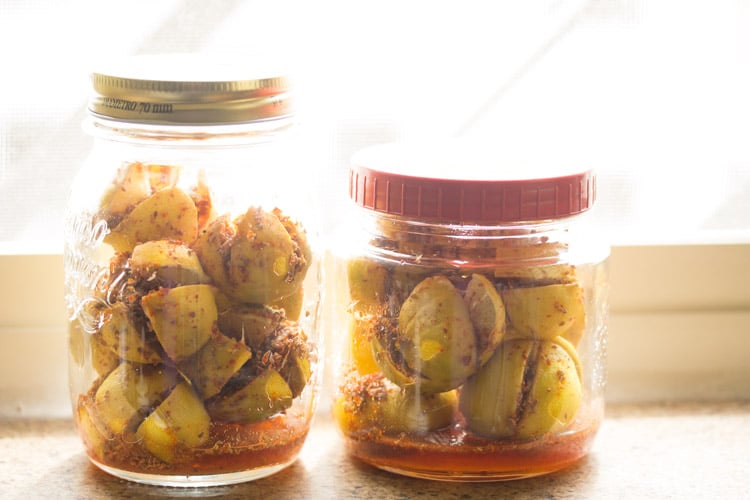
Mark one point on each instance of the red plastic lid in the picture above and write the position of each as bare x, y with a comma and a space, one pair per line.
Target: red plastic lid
453, 183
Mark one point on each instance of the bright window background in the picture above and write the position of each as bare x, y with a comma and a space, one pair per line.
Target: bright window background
653, 94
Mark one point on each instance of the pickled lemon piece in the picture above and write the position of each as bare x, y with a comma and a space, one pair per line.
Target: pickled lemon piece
182, 318
367, 284
487, 314
298, 235
401, 283
360, 345
263, 397
179, 421
131, 187
291, 304
217, 361
286, 350
252, 324
103, 358
527, 389
297, 373
555, 394
570, 349
129, 391
170, 262
388, 357
546, 312
369, 402
166, 214
128, 340
409, 412
262, 266
435, 346
254, 259
162, 176
213, 247
201, 195
561, 341
296, 369
490, 400
92, 432
278, 343
135, 182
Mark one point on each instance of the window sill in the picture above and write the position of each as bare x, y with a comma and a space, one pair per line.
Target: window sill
637, 451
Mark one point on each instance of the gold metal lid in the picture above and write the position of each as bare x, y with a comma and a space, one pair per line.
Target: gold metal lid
188, 90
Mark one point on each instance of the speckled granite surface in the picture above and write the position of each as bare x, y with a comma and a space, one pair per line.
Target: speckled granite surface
654, 451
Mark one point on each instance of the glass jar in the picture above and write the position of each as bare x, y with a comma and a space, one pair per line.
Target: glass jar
192, 276
472, 305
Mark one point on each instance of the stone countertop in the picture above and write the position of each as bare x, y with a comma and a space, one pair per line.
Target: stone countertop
642, 451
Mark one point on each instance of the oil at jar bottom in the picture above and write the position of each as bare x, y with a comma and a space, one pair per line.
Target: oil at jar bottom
454, 455
234, 453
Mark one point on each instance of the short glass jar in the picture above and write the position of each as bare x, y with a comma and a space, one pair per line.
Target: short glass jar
472, 305
192, 275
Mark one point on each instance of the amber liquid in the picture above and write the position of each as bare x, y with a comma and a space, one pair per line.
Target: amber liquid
454, 455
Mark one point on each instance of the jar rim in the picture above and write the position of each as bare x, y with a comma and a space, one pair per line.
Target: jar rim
182, 89
431, 183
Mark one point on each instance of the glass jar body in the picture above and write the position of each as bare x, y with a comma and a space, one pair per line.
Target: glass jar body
472, 353
192, 289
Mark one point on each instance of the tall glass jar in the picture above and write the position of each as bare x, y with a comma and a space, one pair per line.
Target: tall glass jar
192, 276
472, 309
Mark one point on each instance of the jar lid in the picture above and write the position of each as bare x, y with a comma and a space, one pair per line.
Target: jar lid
461, 183
188, 90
